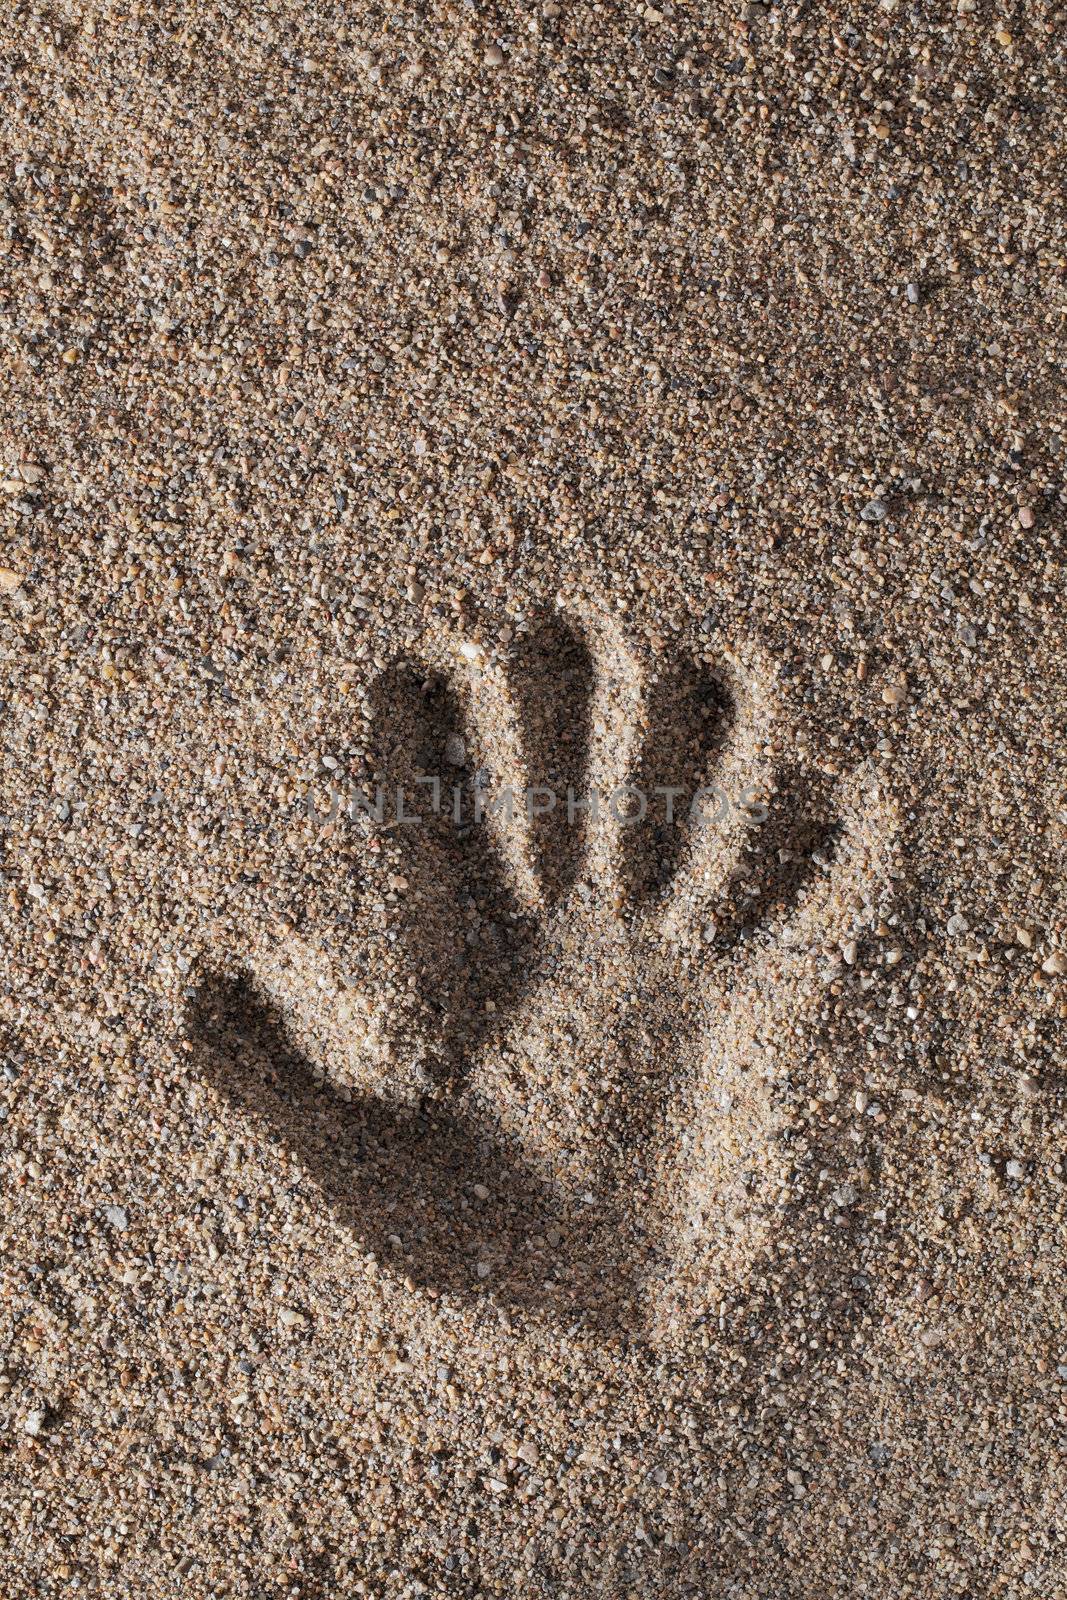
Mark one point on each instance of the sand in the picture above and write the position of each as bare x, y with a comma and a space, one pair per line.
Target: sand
654, 416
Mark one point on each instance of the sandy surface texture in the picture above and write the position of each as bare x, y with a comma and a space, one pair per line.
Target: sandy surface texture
533, 800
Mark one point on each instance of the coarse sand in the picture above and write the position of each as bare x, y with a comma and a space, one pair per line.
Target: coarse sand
534, 801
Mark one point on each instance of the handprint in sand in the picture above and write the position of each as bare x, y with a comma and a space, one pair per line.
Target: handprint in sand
553, 1066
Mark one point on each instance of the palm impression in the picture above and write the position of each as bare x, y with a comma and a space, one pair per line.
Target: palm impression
543, 1062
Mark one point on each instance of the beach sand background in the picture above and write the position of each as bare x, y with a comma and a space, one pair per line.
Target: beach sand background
563, 394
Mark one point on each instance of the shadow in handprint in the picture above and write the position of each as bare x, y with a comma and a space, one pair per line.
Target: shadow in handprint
464, 925
436, 1198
